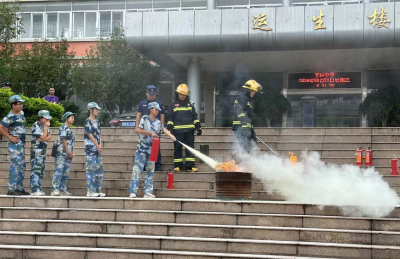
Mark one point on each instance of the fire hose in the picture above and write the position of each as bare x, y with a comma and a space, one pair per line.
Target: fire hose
267, 146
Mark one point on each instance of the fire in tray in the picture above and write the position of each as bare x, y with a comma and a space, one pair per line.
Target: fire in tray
293, 159
228, 166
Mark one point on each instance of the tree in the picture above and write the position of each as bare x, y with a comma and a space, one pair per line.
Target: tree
44, 65
10, 27
271, 105
113, 74
383, 103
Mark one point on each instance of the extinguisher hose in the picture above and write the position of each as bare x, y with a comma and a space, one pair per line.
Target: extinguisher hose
267, 146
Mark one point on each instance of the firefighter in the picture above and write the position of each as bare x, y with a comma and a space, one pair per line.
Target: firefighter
183, 121
243, 115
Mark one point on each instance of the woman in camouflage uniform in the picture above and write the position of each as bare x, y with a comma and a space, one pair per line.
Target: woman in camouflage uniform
65, 153
94, 161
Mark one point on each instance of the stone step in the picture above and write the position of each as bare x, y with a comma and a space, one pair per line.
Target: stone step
204, 230
215, 245
52, 252
179, 204
115, 166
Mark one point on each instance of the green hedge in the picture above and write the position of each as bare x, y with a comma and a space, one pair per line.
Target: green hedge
31, 108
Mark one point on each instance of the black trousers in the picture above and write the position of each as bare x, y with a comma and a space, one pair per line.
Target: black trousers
188, 139
247, 139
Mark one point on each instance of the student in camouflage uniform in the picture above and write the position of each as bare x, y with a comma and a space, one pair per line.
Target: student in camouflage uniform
65, 153
94, 161
40, 136
149, 128
13, 128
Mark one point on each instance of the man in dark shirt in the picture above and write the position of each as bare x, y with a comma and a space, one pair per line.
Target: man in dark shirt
151, 93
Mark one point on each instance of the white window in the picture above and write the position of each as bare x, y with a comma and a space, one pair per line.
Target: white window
37, 25
109, 21
90, 24
52, 25
79, 23
63, 25
27, 24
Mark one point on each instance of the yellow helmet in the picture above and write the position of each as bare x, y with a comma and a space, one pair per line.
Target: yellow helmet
253, 85
182, 89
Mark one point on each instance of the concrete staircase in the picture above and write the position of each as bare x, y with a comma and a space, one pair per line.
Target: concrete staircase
186, 223
335, 145
80, 227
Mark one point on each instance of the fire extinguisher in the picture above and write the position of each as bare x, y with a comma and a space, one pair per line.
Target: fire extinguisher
394, 166
170, 180
368, 157
155, 147
359, 156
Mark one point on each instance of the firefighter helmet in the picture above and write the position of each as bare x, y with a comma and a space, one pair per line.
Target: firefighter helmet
253, 85
183, 89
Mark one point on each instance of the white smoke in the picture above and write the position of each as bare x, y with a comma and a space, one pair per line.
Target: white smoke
358, 192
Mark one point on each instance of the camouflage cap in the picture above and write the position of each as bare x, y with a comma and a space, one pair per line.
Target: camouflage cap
154, 105
66, 115
44, 114
93, 105
15, 98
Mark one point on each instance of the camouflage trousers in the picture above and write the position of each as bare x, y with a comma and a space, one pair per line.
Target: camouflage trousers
38, 159
17, 167
139, 163
62, 166
94, 173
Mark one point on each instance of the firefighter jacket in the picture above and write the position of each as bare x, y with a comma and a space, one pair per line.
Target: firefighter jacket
183, 117
243, 110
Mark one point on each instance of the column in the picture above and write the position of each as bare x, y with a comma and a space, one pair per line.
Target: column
284, 92
286, 3
364, 87
211, 5
194, 83
209, 99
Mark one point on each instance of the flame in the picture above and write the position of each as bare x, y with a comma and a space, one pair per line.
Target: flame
228, 166
293, 159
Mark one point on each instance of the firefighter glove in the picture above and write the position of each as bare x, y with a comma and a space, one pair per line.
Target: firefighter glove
199, 131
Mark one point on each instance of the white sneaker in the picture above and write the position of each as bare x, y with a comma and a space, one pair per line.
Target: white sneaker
92, 194
38, 193
101, 194
55, 193
42, 193
148, 195
132, 195
65, 193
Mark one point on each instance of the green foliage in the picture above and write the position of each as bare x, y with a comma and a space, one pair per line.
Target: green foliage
31, 108
71, 107
46, 64
383, 103
10, 25
271, 105
113, 74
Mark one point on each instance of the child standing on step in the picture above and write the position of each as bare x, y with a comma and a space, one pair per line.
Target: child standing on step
40, 136
149, 128
94, 161
13, 128
65, 153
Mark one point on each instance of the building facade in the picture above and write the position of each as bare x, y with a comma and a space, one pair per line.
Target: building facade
324, 56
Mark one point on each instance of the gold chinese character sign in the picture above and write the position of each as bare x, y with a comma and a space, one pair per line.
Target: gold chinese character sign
318, 20
260, 23
379, 19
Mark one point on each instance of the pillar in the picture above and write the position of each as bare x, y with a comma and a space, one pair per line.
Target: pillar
209, 99
194, 82
286, 3
211, 5
284, 92
364, 87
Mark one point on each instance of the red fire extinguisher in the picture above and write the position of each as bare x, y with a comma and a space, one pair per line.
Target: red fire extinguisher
359, 156
368, 157
170, 180
394, 166
155, 147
